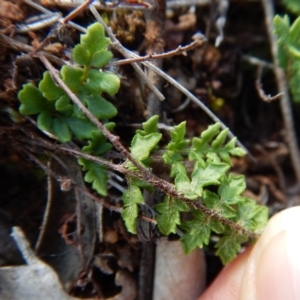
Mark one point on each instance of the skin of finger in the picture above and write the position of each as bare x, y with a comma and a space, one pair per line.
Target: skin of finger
227, 284
278, 269
271, 243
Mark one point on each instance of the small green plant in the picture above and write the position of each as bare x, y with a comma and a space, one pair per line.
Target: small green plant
220, 192
209, 195
59, 116
289, 51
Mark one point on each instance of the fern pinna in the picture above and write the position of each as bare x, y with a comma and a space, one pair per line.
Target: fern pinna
211, 195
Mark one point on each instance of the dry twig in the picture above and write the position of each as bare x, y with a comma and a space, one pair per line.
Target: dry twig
18, 46
181, 50
260, 91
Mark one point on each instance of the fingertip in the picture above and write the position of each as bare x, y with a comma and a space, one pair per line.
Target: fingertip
270, 271
273, 268
278, 270
227, 284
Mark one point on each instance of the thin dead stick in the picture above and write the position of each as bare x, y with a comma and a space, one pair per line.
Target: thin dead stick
34, 140
46, 11
39, 23
222, 8
113, 139
75, 3
59, 19
141, 73
107, 5
181, 106
76, 11
18, 46
37, 6
111, 6
260, 91
257, 61
181, 50
282, 87
118, 46
154, 222
263, 96
79, 232
46, 213
186, 3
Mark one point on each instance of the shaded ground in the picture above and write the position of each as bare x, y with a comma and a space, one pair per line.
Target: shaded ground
222, 77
